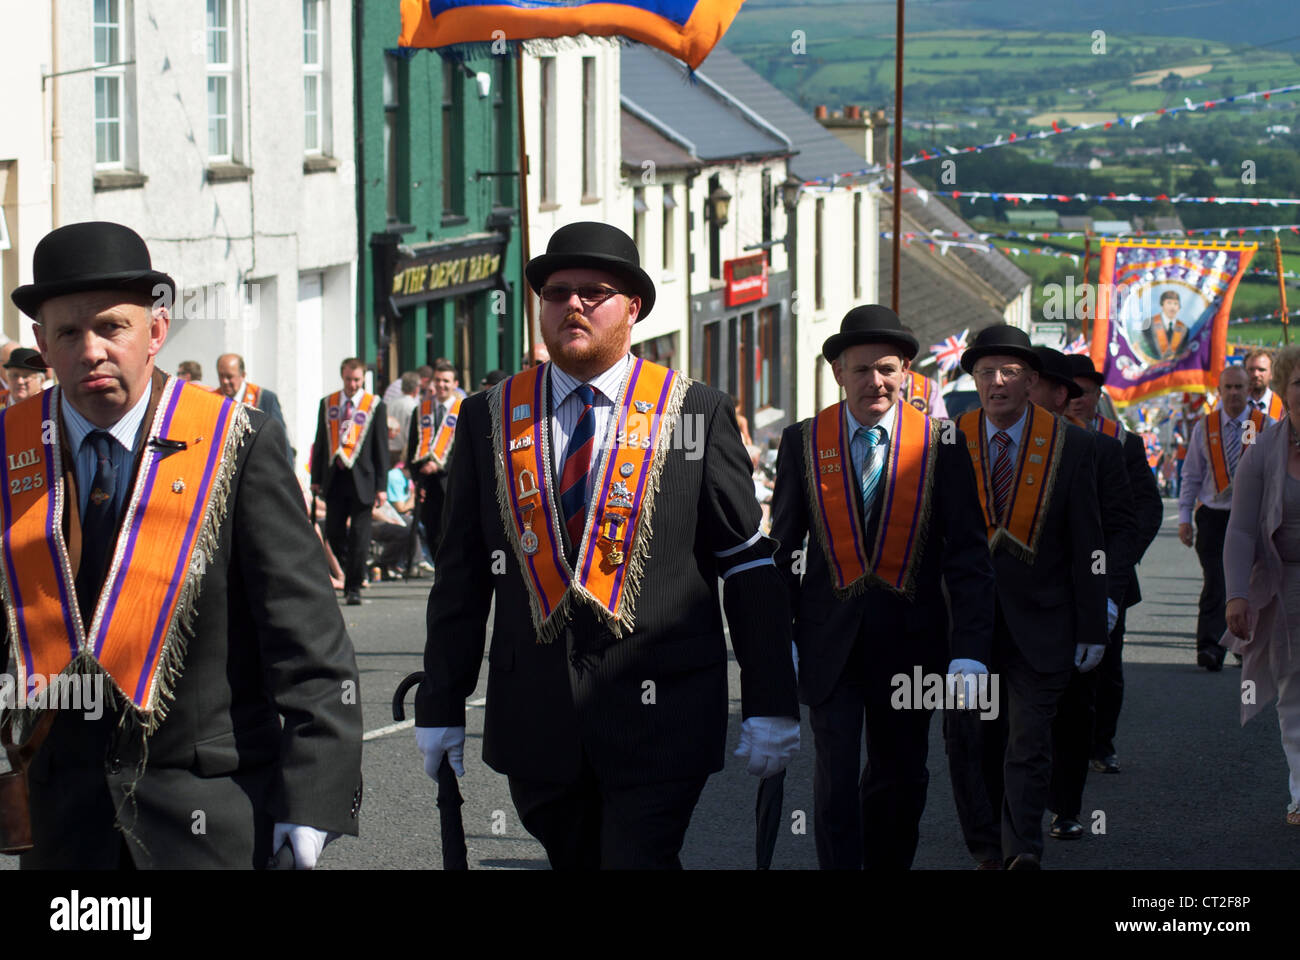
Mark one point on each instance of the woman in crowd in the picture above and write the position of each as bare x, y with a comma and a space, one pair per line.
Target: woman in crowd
1261, 565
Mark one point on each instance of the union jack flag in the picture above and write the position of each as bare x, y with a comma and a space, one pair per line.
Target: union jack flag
1080, 345
948, 353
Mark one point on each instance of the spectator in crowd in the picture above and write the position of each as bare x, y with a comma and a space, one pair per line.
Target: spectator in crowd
399, 412
425, 374
1261, 566
492, 378
189, 370
743, 422
25, 373
392, 544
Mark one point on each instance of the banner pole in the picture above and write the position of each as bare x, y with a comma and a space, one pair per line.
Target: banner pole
898, 157
1281, 289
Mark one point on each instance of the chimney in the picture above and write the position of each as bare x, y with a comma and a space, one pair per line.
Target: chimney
819, 112
879, 139
852, 111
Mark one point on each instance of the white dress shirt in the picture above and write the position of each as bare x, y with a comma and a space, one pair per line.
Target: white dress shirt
1198, 474
1014, 432
123, 433
1263, 403
566, 407
858, 451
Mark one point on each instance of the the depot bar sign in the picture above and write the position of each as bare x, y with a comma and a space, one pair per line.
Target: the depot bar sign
746, 279
433, 271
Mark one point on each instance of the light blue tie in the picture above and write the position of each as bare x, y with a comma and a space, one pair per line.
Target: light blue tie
1232, 449
873, 465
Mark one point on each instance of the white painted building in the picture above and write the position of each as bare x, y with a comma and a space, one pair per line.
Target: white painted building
222, 132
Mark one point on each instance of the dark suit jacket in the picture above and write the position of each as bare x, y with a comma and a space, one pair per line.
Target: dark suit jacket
1148, 509
1057, 601
1118, 516
955, 554
369, 472
269, 404
434, 483
548, 702
266, 722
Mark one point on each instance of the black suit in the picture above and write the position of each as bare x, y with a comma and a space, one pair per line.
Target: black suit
1001, 768
265, 725
433, 485
850, 649
567, 717
1148, 516
269, 404
350, 492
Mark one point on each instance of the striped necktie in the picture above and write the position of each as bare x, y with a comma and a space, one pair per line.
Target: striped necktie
98, 524
873, 466
1232, 445
577, 463
1001, 472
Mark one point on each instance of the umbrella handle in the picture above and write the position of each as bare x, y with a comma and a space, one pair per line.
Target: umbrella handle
399, 695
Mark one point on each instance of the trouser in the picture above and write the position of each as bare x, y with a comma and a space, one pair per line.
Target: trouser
1001, 767
347, 528
1110, 691
872, 819
1211, 619
1288, 719
1072, 733
589, 825
431, 513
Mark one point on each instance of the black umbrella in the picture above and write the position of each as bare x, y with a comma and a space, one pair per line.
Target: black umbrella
454, 854
767, 817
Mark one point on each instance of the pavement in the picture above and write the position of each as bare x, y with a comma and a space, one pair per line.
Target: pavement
1197, 790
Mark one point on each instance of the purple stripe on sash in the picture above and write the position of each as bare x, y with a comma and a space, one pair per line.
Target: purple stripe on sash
920, 506
64, 607
23, 642
888, 507
544, 475
1042, 487
191, 534
507, 408
603, 494
642, 478
821, 501
851, 489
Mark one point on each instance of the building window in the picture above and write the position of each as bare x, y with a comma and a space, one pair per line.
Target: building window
221, 81
767, 206
661, 350
638, 219
857, 246
711, 361
392, 105
453, 154
547, 118
315, 77
819, 285
504, 159
109, 83
715, 233
589, 181
767, 359
670, 205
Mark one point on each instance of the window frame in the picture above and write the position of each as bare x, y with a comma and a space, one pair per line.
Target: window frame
222, 70
319, 71
112, 73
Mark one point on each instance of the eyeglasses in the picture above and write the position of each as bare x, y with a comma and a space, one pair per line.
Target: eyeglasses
590, 294
1008, 374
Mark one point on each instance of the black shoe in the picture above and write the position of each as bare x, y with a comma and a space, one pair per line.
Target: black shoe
1025, 861
1106, 764
353, 598
1064, 828
1210, 659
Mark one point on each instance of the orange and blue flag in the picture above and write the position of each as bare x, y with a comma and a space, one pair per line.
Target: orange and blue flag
687, 29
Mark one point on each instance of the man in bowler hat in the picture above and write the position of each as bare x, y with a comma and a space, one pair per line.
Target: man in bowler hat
1038, 495
250, 716
857, 632
25, 374
607, 675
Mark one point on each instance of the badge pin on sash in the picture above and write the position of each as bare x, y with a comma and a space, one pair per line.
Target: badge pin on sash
612, 541
527, 491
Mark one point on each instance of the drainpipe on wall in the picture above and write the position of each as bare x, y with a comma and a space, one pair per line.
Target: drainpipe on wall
56, 133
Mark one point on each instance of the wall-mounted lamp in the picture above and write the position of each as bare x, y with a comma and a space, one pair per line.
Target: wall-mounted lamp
719, 206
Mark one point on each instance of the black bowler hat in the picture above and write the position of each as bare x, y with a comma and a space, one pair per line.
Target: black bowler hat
596, 246
1000, 340
25, 358
493, 377
1056, 369
871, 323
1080, 365
95, 255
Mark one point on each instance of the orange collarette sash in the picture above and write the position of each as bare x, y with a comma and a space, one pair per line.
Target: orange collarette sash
346, 438
1040, 445
1111, 428
919, 391
1214, 443
168, 534
1275, 408
616, 537
834, 494
252, 393
437, 447
1162, 337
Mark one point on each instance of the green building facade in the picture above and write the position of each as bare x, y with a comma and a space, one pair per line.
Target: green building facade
437, 205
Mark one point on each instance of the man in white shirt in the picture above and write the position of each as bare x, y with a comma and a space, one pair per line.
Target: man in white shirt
1259, 370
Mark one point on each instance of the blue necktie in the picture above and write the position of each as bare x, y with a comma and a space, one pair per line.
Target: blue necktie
98, 524
577, 463
873, 465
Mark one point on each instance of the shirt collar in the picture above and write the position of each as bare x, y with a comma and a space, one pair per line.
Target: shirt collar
608, 383
886, 421
1245, 412
1014, 431
239, 394
124, 431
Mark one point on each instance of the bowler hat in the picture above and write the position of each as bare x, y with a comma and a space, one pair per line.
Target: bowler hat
1000, 340
871, 323
1056, 369
25, 358
597, 246
1081, 365
95, 255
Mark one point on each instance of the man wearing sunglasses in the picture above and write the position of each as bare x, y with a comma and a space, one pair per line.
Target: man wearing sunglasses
607, 695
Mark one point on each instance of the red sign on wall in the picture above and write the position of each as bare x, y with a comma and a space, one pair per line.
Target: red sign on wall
746, 279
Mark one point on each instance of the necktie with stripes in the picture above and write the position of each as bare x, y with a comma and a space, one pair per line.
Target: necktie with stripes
1232, 445
873, 465
1001, 471
98, 524
577, 463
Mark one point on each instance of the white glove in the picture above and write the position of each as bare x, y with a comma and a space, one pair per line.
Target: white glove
436, 741
970, 674
768, 743
305, 842
1112, 616
1088, 655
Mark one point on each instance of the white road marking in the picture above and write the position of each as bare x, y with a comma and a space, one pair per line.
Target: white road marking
408, 724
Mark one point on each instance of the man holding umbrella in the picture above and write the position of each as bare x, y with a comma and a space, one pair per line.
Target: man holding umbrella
894, 517
602, 541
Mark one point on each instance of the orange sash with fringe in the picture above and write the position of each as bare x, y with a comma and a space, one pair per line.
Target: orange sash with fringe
1111, 428
252, 393
168, 533
1034, 475
1214, 441
437, 447
346, 438
835, 491
919, 390
616, 536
